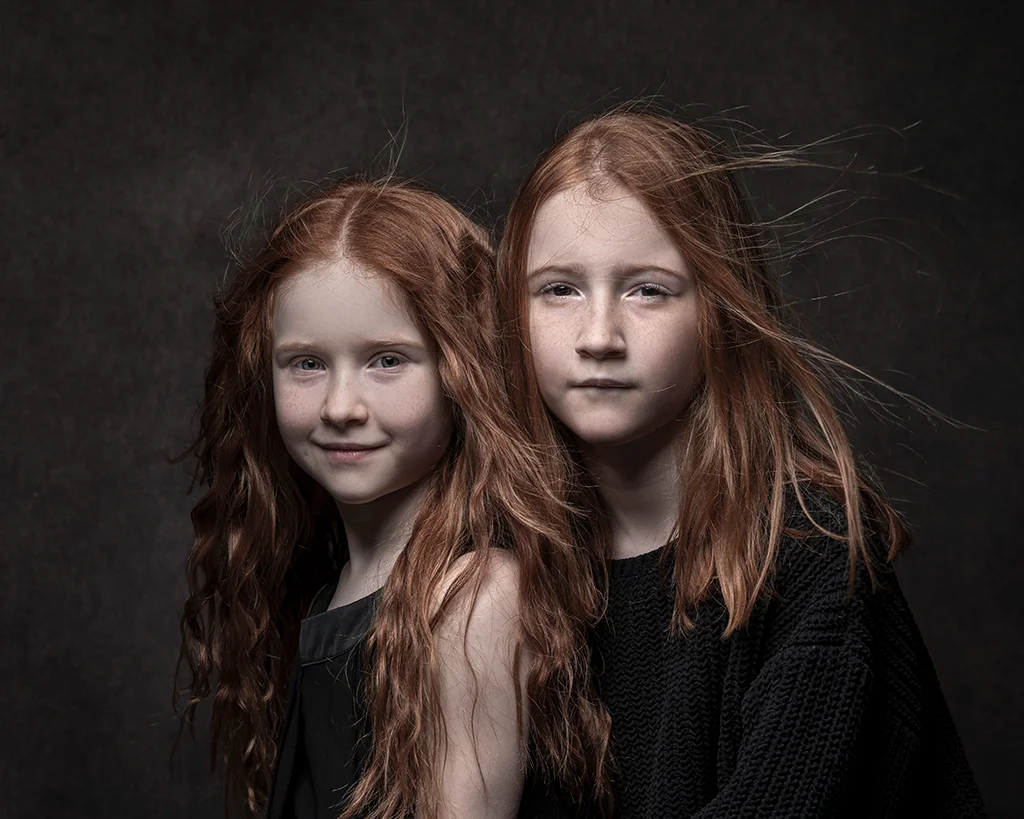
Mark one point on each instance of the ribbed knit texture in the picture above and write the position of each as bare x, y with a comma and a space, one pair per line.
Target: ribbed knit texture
825, 705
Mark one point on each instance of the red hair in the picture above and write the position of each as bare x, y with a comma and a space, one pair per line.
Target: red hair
263, 528
762, 422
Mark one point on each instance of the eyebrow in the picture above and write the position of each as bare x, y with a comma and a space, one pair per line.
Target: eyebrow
572, 269
398, 341
310, 347
295, 347
619, 271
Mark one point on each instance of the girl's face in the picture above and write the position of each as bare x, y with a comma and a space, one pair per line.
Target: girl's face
612, 318
357, 392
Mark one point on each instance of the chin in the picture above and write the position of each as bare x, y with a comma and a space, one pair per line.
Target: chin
355, 498
605, 435
351, 493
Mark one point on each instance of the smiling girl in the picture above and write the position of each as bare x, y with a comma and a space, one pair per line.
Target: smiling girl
758, 658
375, 529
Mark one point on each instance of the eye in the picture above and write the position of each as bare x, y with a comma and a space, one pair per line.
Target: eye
388, 361
307, 364
650, 291
558, 289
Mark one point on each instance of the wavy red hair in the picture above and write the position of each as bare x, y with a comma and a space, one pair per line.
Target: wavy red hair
762, 423
263, 528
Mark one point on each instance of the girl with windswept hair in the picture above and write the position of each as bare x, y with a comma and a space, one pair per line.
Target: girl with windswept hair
757, 656
377, 531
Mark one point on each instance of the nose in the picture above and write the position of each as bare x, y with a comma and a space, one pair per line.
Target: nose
601, 336
344, 405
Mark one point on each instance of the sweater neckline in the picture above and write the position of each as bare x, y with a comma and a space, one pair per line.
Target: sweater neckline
638, 575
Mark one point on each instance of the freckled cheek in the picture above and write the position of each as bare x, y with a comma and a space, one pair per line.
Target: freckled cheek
674, 357
551, 348
296, 409
419, 410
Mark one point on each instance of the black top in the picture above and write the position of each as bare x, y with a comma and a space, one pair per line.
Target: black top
825, 705
334, 732
327, 732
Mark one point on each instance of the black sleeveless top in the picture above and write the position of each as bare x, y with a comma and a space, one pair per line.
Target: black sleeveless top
327, 731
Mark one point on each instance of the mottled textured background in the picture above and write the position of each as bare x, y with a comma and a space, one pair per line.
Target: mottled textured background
132, 133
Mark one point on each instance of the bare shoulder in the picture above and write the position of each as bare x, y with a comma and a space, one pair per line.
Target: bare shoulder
496, 585
486, 608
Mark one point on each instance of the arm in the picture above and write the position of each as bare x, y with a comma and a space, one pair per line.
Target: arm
801, 720
484, 756
803, 715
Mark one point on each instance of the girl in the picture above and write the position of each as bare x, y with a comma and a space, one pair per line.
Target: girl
355, 417
757, 657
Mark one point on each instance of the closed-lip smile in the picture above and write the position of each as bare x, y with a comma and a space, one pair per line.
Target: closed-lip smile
605, 383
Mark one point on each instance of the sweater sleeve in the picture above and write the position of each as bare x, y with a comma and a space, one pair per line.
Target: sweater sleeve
802, 714
801, 720
835, 721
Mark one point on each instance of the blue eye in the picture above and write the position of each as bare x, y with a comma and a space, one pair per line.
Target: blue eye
302, 363
388, 361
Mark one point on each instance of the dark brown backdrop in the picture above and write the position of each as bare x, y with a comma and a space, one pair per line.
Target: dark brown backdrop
130, 133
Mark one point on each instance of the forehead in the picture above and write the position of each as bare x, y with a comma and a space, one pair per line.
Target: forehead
611, 225
340, 295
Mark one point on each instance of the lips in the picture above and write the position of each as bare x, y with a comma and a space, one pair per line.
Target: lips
348, 447
604, 384
348, 452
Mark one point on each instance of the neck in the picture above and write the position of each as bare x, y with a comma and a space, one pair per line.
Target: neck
375, 534
638, 483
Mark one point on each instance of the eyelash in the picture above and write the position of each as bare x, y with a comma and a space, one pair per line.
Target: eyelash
661, 290
395, 356
297, 363
548, 289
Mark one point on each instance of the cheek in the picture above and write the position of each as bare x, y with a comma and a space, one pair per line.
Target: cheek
295, 408
548, 341
672, 350
420, 409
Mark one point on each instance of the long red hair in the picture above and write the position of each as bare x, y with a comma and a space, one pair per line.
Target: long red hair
263, 530
762, 423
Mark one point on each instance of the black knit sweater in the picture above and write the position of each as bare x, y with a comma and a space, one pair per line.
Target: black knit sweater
824, 705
